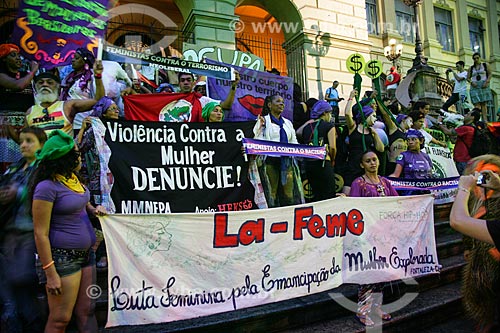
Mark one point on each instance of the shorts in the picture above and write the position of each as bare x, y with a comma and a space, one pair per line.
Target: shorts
66, 262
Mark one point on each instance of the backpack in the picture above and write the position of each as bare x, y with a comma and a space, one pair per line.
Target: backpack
481, 143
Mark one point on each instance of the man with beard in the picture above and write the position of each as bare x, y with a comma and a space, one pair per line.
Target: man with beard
50, 113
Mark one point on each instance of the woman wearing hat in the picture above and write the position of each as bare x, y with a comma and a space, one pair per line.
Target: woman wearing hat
79, 84
321, 132
212, 113
361, 138
16, 96
63, 234
413, 163
95, 173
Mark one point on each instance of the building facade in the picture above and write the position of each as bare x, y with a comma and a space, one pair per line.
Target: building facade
310, 40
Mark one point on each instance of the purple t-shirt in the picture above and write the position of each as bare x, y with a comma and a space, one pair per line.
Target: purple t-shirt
70, 227
415, 165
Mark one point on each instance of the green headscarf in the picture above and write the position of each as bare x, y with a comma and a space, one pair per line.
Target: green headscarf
58, 145
207, 110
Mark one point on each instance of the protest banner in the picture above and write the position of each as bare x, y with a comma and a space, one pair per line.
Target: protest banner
164, 268
278, 149
121, 55
173, 167
51, 31
443, 166
444, 190
196, 52
172, 107
253, 88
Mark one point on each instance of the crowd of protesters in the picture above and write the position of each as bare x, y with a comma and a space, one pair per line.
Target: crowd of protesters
45, 204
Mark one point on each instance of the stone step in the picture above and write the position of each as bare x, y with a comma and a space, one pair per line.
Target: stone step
297, 312
429, 307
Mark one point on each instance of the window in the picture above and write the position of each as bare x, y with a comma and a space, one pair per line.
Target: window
371, 16
476, 31
444, 29
404, 21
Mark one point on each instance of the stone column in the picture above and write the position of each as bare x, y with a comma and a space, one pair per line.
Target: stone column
387, 26
210, 22
462, 24
432, 47
492, 27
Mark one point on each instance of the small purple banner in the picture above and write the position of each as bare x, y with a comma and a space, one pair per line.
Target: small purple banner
50, 31
277, 149
427, 184
251, 92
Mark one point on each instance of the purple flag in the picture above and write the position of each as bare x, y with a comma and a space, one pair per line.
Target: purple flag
253, 88
50, 31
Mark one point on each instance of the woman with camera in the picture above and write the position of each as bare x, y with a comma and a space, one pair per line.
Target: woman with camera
475, 213
460, 218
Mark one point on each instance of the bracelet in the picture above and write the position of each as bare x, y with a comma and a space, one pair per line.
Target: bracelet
460, 188
98, 76
350, 99
48, 265
233, 87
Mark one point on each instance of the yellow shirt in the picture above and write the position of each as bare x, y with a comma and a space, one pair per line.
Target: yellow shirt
53, 118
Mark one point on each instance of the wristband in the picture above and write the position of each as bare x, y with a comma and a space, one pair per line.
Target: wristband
460, 188
233, 87
48, 265
98, 76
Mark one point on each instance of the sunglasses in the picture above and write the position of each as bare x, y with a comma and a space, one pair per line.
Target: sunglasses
46, 113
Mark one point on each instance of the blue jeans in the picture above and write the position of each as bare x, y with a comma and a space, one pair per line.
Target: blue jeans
67, 262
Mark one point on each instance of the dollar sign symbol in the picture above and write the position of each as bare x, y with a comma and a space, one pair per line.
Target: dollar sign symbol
374, 70
357, 64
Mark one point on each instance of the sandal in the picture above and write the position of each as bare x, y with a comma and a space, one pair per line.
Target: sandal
365, 319
383, 315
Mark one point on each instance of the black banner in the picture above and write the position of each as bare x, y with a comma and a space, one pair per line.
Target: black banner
163, 167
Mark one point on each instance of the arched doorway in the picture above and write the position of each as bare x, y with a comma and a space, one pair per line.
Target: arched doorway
261, 35
280, 21
141, 25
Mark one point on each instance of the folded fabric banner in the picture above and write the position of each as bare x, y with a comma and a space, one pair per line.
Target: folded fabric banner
444, 190
252, 90
426, 184
50, 31
277, 149
165, 268
172, 107
121, 55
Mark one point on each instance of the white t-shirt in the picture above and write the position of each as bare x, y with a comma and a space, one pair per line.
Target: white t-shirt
460, 86
427, 136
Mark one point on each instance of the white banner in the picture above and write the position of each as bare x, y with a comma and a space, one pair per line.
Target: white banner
443, 166
172, 267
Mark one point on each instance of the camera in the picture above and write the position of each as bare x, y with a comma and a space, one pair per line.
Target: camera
481, 179
478, 77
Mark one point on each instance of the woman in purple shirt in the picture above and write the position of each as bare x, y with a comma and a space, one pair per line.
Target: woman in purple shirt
413, 163
370, 184
64, 234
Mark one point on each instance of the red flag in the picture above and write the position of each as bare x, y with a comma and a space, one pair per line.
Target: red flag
176, 107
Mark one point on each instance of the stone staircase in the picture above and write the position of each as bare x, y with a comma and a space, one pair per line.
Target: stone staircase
438, 300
